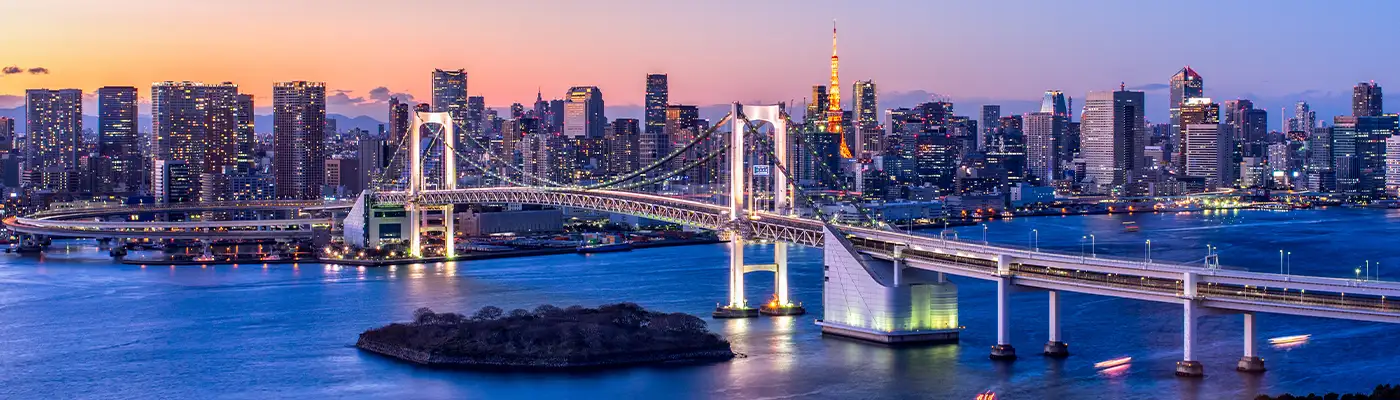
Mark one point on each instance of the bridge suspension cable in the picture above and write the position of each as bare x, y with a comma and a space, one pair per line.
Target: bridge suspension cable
767, 147
662, 161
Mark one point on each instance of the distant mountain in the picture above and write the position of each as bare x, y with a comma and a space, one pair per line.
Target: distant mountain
261, 123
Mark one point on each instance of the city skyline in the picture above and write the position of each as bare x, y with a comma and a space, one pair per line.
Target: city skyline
793, 54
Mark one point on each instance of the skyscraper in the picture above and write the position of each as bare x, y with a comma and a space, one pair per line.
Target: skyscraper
398, 119
299, 113
991, 114
1185, 84
816, 110
583, 112
7, 135
1197, 110
1366, 100
1345, 160
197, 124
476, 110
623, 146
1110, 130
1054, 103
1043, 132
682, 126
834, 115
247, 137
116, 140
866, 109
657, 97
450, 93
1371, 135
54, 125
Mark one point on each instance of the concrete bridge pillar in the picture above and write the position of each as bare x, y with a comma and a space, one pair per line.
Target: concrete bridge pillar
860, 299
449, 235
1188, 366
781, 304
1003, 349
737, 307
1055, 347
415, 237
1250, 362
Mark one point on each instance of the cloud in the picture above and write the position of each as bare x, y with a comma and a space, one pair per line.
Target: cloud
1150, 87
15, 69
383, 94
343, 98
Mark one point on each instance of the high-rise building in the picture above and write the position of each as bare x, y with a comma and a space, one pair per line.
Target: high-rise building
682, 127
247, 137
816, 110
1209, 154
624, 142
54, 125
1366, 100
1186, 84
1319, 166
476, 109
1304, 118
1196, 110
1371, 135
834, 115
450, 93
1345, 159
657, 97
398, 119
171, 181
1392, 166
1043, 132
991, 113
583, 112
1111, 132
198, 124
7, 135
116, 140
866, 109
299, 143
1054, 103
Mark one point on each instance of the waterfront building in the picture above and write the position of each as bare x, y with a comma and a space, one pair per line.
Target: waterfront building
171, 181
54, 125
1392, 166
1112, 128
1319, 165
1366, 100
298, 111
197, 123
1043, 133
1371, 136
119, 158
1344, 156
1209, 155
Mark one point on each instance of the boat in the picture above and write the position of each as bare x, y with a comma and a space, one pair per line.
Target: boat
604, 248
271, 257
1113, 363
1131, 227
1290, 339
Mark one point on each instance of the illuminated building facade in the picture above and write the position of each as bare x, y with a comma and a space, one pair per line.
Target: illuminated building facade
1366, 100
1186, 84
834, 115
198, 124
298, 138
54, 121
866, 108
119, 159
583, 112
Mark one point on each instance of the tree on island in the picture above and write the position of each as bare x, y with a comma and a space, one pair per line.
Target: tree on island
1382, 392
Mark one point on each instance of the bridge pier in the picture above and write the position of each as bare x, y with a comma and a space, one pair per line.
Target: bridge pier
1003, 349
449, 236
1250, 362
1055, 347
1188, 366
738, 307
861, 299
415, 236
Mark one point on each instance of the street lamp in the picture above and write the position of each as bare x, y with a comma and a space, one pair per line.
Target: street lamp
1280, 261
1035, 239
1093, 246
984, 234
1147, 254
1358, 274
1288, 263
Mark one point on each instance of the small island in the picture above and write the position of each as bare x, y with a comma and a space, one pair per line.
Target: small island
548, 338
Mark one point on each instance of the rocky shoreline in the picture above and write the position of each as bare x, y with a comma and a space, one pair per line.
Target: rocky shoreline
502, 363
549, 338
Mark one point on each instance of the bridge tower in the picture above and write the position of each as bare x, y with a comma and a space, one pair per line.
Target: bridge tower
416, 180
742, 116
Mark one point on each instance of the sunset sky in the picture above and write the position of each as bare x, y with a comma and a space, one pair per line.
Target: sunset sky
716, 51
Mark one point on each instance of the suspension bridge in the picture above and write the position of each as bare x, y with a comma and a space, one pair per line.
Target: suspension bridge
879, 285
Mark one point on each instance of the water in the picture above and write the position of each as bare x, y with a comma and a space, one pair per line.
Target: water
74, 325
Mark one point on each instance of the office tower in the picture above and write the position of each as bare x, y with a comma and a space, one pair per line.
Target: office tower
1304, 118
299, 144
7, 135
450, 93
1111, 130
583, 112
682, 126
624, 146
1256, 133
54, 125
120, 159
372, 159
1371, 135
657, 97
343, 177
1186, 84
865, 107
517, 111
1007, 149
1392, 166
1366, 100
991, 113
1054, 103
1043, 132
1196, 110
198, 124
834, 115
1319, 165
1209, 154
247, 137
936, 158
555, 123
476, 109
816, 110
398, 119
1344, 156
171, 181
